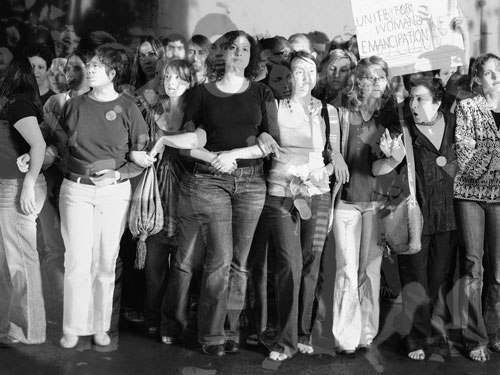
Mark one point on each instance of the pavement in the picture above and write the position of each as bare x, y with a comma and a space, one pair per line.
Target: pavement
136, 352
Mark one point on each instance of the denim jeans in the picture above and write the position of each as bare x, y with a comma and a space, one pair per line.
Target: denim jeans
427, 279
22, 311
227, 208
92, 222
185, 260
298, 248
156, 271
50, 247
478, 226
358, 256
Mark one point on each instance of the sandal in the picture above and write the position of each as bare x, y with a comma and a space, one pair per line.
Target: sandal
479, 354
495, 346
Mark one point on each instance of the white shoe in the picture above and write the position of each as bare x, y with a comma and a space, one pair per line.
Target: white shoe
102, 339
68, 341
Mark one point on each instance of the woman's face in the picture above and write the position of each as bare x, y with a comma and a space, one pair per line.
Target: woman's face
338, 72
96, 73
39, 69
422, 106
489, 79
373, 81
197, 57
75, 72
174, 85
147, 59
303, 77
237, 55
279, 81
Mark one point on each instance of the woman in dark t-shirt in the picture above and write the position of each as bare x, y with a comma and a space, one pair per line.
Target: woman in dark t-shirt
224, 197
22, 313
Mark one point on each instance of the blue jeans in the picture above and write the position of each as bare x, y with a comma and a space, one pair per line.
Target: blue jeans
22, 311
227, 208
479, 222
298, 248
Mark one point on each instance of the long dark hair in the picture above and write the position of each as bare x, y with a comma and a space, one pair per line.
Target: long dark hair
19, 79
138, 76
215, 60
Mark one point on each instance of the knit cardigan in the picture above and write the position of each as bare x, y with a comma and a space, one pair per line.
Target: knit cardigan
478, 152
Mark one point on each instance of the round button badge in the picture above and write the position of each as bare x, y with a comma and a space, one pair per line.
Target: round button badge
441, 161
111, 115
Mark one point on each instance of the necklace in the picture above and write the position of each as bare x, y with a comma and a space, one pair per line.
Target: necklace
431, 123
310, 107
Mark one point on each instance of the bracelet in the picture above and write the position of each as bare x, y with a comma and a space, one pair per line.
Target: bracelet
261, 149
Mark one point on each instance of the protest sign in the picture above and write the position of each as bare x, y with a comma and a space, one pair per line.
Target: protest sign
411, 36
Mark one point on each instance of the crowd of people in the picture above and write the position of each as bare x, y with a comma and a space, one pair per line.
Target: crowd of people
263, 151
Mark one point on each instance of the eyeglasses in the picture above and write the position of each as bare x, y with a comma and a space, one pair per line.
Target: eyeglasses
374, 79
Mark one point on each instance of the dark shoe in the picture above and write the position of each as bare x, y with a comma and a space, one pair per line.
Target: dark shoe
231, 347
213, 350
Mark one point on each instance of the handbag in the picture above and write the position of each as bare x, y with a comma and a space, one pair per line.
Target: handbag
401, 221
146, 213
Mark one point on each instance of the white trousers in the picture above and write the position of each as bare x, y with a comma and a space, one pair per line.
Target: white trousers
92, 222
356, 307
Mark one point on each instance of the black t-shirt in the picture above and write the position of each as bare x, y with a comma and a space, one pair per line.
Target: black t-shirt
12, 144
232, 120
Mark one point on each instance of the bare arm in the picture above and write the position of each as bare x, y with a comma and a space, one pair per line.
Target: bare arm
30, 131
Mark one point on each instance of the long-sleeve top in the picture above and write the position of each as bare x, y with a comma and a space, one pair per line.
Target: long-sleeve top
477, 145
100, 135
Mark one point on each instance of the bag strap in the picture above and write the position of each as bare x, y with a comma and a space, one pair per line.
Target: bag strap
326, 118
410, 159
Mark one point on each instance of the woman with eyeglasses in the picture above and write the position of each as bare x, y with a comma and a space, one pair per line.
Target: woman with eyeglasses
98, 131
369, 112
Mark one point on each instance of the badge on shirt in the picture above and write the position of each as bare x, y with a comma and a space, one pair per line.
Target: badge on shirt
111, 115
441, 161
118, 108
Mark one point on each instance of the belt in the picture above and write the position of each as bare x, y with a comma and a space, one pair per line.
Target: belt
86, 181
239, 172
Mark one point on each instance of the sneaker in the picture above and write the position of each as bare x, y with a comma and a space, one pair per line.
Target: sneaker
133, 316
387, 294
102, 339
68, 341
213, 350
231, 347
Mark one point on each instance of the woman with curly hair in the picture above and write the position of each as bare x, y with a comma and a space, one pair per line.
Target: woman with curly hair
223, 197
368, 114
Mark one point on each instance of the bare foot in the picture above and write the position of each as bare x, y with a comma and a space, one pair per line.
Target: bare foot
479, 354
417, 355
277, 356
305, 349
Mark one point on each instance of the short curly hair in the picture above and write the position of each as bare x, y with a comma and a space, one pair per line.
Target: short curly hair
215, 60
